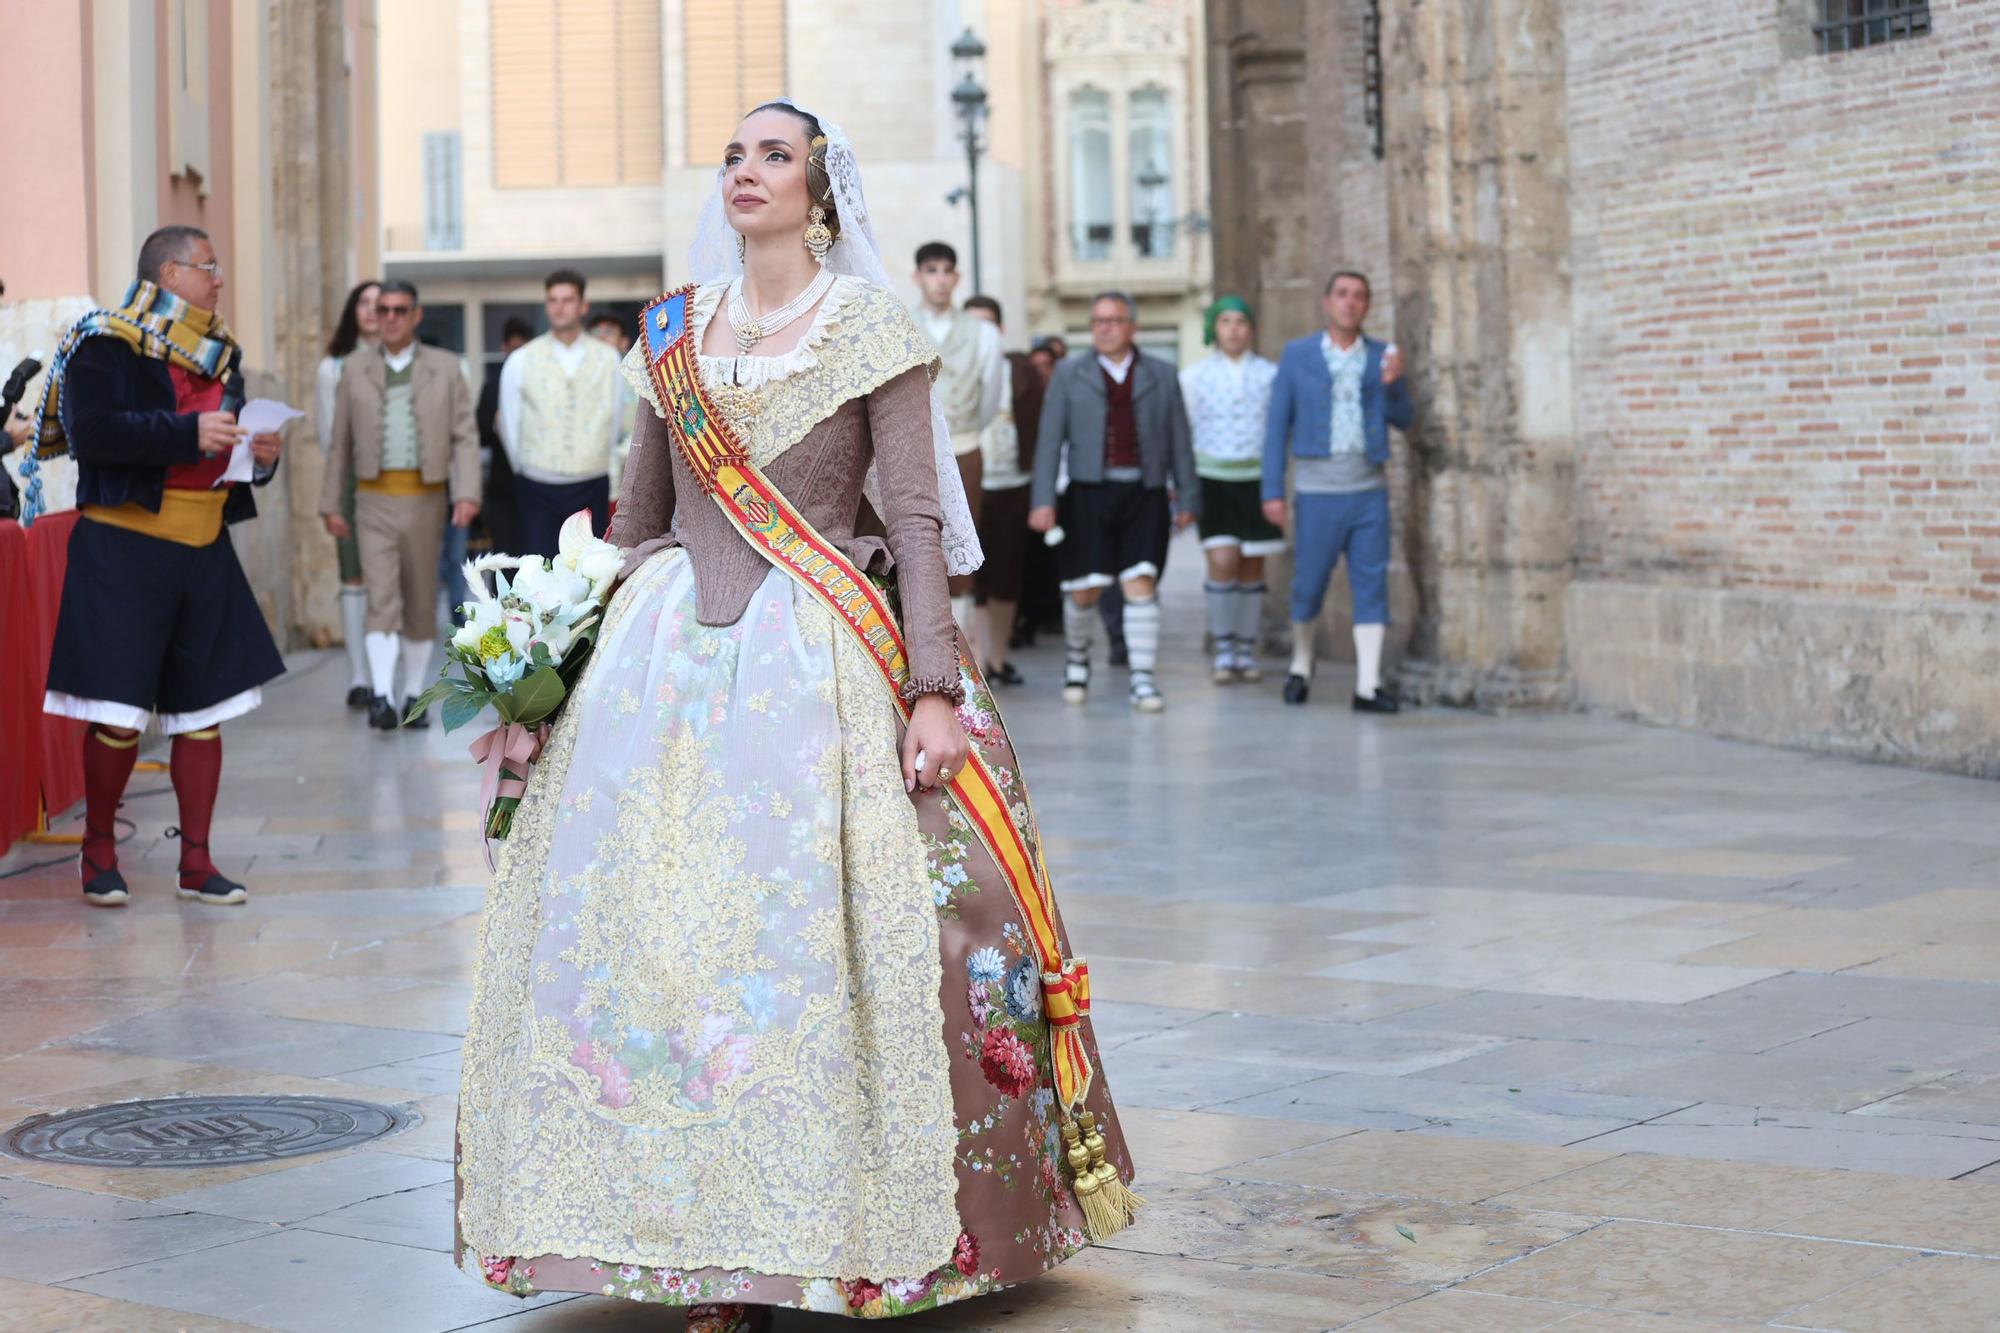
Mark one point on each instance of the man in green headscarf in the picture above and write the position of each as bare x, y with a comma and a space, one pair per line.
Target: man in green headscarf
1226, 394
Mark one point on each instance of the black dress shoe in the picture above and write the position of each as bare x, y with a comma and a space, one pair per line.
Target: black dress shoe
1005, 674
358, 697
1295, 689
382, 714
1383, 702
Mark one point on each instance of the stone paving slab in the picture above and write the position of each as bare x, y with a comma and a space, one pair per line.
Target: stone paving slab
1629, 1029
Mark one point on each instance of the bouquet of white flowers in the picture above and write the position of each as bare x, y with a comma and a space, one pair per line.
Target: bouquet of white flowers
520, 651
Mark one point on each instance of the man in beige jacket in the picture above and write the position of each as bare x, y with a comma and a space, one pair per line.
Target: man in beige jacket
403, 422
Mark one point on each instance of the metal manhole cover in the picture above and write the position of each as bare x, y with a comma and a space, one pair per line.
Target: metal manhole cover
202, 1131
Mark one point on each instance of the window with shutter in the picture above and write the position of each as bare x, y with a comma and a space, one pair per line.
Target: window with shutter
444, 187
735, 59
576, 92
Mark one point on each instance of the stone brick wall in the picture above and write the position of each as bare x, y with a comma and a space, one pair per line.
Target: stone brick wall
1704, 330
1787, 315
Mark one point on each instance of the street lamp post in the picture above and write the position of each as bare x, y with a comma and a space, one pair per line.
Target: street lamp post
970, 100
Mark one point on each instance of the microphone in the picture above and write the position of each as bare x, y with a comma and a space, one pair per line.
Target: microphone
17, 383
233, 393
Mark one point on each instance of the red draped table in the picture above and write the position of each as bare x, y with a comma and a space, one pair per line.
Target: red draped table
42, 764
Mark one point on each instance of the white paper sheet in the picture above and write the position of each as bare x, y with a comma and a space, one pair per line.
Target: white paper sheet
260, 416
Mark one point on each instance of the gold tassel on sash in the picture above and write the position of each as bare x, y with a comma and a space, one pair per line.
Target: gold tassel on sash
1109, 1206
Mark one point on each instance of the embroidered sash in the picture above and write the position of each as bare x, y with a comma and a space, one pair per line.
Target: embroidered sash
781, 534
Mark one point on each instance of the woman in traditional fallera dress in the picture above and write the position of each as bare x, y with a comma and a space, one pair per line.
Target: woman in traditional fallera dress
772, 1005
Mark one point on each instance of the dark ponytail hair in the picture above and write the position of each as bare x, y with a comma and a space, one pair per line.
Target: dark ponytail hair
347, 334
819, 183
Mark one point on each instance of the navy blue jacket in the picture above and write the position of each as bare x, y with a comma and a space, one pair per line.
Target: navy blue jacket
1301, 411
118, 412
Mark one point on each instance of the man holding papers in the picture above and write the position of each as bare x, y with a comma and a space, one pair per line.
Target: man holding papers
403, 425
157, 619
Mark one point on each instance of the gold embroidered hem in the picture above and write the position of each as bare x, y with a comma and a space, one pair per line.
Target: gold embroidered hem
706, 1022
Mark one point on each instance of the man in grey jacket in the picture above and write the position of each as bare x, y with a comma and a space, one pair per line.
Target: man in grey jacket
1117, 420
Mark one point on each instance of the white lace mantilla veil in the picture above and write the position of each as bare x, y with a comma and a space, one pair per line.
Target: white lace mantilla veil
713, 258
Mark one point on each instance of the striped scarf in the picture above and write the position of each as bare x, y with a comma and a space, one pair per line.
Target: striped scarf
153, 323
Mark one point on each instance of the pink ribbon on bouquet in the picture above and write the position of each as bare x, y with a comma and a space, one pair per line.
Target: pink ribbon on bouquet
510, 743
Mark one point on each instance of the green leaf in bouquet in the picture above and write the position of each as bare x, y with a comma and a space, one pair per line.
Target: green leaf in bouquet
574, 660
532, 701
440, 689
463, 706
539, 655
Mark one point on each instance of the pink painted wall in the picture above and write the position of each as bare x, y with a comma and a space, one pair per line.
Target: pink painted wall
181, 200
44, 155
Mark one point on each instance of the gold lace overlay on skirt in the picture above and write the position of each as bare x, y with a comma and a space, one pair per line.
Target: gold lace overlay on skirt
706, 1027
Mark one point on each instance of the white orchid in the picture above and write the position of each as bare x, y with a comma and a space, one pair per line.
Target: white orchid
521, 650
587, 555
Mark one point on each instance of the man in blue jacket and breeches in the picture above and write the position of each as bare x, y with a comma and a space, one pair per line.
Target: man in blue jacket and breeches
1334, 399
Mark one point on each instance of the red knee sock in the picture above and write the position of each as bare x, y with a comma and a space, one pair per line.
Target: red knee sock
197, 770
107, 765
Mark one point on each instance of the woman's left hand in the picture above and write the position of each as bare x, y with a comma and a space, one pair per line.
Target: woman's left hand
935, 731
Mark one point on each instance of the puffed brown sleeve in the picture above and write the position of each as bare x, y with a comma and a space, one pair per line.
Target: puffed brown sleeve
646, 493
899, 424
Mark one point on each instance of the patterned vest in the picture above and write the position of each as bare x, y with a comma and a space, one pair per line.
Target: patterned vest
958, 383
1121, 423
566, 419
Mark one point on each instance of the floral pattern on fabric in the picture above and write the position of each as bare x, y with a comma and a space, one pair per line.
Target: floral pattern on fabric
1014, 1214
710, 972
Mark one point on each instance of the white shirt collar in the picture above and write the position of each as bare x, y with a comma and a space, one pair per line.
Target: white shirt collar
1326, 342
400, 361
1118, 370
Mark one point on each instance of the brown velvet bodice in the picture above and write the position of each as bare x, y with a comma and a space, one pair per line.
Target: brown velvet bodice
660, 505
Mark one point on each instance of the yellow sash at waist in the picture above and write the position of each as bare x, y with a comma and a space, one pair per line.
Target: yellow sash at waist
189, 518
398, 481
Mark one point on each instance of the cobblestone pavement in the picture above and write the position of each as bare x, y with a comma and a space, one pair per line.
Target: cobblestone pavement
1435, 1022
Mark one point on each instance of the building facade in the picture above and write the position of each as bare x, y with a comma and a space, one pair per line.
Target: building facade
1706, 429
248, 118
519, 137
1122, 196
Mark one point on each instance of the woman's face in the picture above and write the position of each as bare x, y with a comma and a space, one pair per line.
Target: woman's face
364, 312
764, 175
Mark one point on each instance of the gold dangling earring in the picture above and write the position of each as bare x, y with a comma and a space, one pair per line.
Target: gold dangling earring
742, 250
819, 237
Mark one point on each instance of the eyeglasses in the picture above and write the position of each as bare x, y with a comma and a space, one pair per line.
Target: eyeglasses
1095, 320
394, 311
213, 267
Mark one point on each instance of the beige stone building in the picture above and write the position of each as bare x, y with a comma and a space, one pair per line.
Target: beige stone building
248, 118
518, 137
515, 137
1119, 194
1706, 416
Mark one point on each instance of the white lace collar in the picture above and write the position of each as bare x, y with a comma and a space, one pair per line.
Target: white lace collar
754, 372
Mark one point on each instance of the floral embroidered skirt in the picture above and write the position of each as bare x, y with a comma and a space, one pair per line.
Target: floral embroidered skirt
750, 1023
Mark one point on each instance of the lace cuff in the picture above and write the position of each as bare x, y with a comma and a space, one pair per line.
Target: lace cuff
951, 687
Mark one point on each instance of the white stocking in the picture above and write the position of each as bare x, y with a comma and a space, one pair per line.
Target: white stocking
1367, 660
382, 665
1302, 648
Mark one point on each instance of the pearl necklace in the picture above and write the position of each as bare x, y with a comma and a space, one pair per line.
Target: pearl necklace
751, 329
